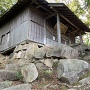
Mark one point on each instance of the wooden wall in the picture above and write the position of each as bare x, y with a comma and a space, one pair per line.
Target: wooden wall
36, 26
51, 37
14, 31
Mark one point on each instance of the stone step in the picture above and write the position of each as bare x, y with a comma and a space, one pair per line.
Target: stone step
19, 87
8, 75
12, 67
5, 84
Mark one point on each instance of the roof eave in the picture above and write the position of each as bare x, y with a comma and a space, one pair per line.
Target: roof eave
62, 5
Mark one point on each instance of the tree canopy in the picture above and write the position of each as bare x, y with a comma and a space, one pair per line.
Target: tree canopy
6, 5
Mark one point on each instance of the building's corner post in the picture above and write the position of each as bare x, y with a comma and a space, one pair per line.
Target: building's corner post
81, 39
44, 31
58, 30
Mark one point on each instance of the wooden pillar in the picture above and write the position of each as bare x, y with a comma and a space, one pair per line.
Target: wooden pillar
81, 40
58, 30
44, 31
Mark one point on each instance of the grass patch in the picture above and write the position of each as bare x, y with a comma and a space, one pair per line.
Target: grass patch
64, 88
47, 74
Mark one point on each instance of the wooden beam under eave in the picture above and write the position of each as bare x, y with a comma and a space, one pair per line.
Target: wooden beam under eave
33, 1
51, 15
69, 21
75, 31
64, 17
39, 5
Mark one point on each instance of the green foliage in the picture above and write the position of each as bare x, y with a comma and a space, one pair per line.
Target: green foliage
6, 5
48, 72
19, 75
76, 8
87, 3
86, 39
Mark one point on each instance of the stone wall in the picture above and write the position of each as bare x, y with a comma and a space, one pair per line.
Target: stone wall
31, 63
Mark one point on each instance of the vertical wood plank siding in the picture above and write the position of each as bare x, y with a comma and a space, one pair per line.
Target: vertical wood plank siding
18, 28
36, 27
38, 31
49, 37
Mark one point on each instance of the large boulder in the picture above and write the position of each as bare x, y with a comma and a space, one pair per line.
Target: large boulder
48, 62
11, 56
69, 53
40, 66
85, 80
2, 65
23, 61
80, 47
13, 61
17, 55
12, 67
30, 52
5, 84
3, 61
70, 70
19, 87
29, 72
62, 51
53, 52
40, 52
86, 56
84, 51
8, 75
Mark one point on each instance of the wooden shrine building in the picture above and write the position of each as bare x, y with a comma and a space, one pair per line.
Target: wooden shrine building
41, 22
